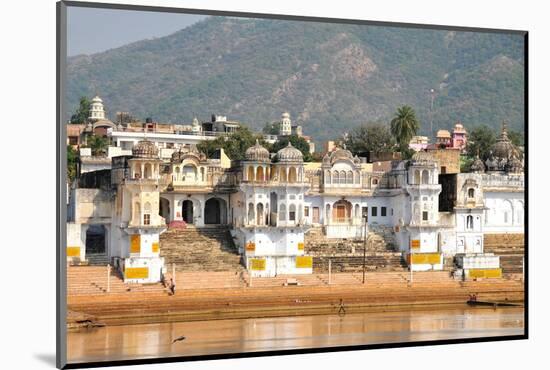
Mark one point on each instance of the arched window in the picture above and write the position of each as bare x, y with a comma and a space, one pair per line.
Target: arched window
250, 173
425, 177
250, 213
508, 211
327, 178
147, 171
342, 177
327, 214
260, 174
282, 176
335, 177
292, 212
147, 214
292, 174
416, 177
471, 193
202, 173
350, 177
469, 222
137, 211
189, 173
259, 214
374, 181
357, 212
357, 178
282, 213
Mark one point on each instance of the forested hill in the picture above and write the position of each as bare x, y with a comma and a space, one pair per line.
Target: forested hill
330, 77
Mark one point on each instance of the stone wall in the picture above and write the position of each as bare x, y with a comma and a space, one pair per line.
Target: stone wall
448, 160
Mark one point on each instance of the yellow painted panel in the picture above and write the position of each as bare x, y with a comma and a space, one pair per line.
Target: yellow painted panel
485, 273
415, 244
304, 261
425, 258
250, 246
155, 247
136, 272
73, 251
257, 264
135, 243
300, 246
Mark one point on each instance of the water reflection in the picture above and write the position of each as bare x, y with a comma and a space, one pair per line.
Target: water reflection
248, 335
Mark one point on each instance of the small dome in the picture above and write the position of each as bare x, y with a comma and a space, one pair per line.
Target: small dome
285, 115
443, 134
341, 154
477, 166
257, 153
290, 154
145, 149
97, 99
422, 157
514, 165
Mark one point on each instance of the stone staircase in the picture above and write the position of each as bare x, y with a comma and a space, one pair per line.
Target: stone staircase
96, 259
510, 248
200, 249
346, 255
92, 280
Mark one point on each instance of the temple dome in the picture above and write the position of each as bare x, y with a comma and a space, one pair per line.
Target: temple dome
289, 154
477, 165
257, 153
341, 154
145, 149
503, 148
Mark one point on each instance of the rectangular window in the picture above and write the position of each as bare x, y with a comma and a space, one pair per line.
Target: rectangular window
306, 211
365, 212
292, 216
147, 219
383, 211
374, 211
424, 216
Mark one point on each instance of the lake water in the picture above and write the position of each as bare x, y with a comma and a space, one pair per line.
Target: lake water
250, 335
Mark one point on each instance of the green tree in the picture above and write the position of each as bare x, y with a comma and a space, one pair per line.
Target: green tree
72, 156
480, 140
271, 128
371, 137
298, 142
516, 137
404, 126
234, 145
83, 111
98, 144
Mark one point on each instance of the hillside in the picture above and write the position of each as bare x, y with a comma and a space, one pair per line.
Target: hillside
330, 77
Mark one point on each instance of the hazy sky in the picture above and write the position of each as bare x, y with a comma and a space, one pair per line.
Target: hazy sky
93, 30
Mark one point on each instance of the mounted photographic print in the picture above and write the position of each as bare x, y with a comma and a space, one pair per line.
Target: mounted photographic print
237, 184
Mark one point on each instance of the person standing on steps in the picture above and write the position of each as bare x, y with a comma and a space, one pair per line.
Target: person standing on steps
172, 286
341, 309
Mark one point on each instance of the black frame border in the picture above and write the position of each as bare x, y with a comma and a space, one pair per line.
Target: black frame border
61, 189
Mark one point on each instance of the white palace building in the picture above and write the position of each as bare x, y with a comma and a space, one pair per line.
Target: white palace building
270, 202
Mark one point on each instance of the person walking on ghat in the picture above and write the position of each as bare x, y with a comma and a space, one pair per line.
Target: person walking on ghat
172, 286
341, 309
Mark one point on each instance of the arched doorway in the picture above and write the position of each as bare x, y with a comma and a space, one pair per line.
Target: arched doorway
95, 239
187, 211
215, 211
164, 209
259, 214
341, 211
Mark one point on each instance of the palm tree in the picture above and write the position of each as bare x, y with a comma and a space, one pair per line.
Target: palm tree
404, 126
98, 144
